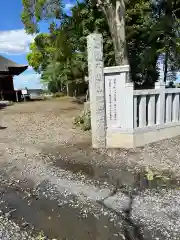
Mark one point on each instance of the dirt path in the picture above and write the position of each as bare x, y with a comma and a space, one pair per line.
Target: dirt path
51, 178
42, 123
47, 126
35, 190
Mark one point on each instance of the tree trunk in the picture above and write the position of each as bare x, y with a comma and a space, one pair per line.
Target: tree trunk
166, 66
169, 33
67, 88
115, 14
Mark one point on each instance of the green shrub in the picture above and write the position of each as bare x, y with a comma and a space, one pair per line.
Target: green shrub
84, 121
58, 94
11, 103
40, 236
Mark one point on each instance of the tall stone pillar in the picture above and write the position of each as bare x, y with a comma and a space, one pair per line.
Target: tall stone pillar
97, 89
160, 63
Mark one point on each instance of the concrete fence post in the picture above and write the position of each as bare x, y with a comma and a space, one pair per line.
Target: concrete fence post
97, 90
128, 109
160, 109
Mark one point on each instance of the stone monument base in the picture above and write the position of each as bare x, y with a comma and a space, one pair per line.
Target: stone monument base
141, 137
86, 107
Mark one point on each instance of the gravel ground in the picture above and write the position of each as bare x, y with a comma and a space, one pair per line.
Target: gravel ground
48, 126
38, 142
9, 230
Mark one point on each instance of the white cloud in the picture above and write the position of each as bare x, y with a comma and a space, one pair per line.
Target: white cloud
30, 68
68, 6
29, 80
15, 41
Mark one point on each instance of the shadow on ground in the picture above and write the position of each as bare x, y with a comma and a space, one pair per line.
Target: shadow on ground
2, 106
2, 128
79, 100
59, 221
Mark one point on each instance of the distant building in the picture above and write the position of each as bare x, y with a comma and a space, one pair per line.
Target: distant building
34, 90
32, 93
8, 69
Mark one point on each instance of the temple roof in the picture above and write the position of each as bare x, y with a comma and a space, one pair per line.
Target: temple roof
8, 67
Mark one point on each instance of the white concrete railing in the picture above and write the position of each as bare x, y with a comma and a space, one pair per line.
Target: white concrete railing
138, 117
129, 110
122, 117
156, 107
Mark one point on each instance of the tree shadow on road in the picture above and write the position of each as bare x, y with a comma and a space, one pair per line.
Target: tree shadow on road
2, 128
3, 105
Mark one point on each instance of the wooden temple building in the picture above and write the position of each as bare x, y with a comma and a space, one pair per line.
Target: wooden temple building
9, 69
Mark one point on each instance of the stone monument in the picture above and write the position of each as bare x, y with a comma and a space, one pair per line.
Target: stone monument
97, 89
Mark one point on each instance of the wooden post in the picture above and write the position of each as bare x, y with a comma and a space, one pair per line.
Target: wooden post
17, 99
2, 96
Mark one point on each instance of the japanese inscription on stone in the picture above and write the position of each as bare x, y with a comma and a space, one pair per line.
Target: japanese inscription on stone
96, 86
112, 99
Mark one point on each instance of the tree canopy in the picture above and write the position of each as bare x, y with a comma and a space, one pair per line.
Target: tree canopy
35, 11
135, 32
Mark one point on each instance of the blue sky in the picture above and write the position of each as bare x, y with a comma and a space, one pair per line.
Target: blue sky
14, 42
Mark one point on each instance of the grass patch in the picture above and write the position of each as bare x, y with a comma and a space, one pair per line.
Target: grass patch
58, 95
83, 121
